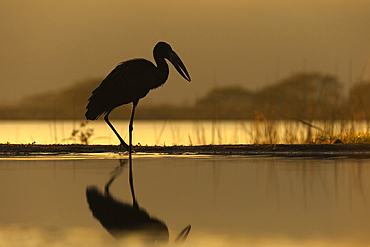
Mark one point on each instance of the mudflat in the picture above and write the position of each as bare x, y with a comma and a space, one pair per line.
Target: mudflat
295, 150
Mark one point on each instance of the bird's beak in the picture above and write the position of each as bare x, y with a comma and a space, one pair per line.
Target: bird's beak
179, 65
183, 234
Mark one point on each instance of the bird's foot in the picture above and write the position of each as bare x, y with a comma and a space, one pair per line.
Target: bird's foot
123, 147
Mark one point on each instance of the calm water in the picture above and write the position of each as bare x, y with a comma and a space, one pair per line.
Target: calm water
167, 132
228, 200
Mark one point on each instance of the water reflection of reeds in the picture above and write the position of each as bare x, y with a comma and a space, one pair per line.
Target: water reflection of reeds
336, 181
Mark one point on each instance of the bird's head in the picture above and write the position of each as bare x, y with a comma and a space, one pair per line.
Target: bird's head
163, 49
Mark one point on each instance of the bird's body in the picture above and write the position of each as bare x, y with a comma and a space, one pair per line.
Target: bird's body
139, 77
130, 81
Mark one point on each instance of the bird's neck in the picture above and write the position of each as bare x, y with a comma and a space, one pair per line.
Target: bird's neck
162, 71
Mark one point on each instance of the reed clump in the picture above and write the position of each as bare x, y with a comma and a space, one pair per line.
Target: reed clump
347, 137
83, 134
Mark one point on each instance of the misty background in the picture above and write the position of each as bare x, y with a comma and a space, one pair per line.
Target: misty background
48, 46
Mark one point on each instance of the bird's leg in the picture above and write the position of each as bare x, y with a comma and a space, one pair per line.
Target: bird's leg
115, 173
123, 143
131, 127
131, 178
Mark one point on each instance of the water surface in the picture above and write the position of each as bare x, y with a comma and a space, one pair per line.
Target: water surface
228, 200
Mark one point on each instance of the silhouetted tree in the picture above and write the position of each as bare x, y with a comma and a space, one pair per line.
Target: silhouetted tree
303, 95
360, 101
227, 103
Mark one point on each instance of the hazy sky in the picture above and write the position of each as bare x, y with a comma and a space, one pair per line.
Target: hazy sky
51, 44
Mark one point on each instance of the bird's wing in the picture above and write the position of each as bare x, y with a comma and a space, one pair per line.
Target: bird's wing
128, 82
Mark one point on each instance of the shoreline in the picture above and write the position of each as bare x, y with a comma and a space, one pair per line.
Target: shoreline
282, 150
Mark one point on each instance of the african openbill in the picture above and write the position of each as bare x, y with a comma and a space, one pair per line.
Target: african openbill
129, 82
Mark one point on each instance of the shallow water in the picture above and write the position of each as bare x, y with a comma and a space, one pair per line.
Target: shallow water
228, 200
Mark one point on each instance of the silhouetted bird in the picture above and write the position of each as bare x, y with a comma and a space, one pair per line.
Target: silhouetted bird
129, 82
122, 219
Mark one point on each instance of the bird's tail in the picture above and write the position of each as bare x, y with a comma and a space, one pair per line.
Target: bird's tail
94, 109
91, 115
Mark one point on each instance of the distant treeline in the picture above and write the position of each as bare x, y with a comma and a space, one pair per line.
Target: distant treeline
308, 96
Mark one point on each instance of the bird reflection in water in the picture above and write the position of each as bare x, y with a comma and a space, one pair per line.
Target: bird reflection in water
122, 219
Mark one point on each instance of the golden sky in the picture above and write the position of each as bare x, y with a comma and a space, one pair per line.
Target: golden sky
48, 45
